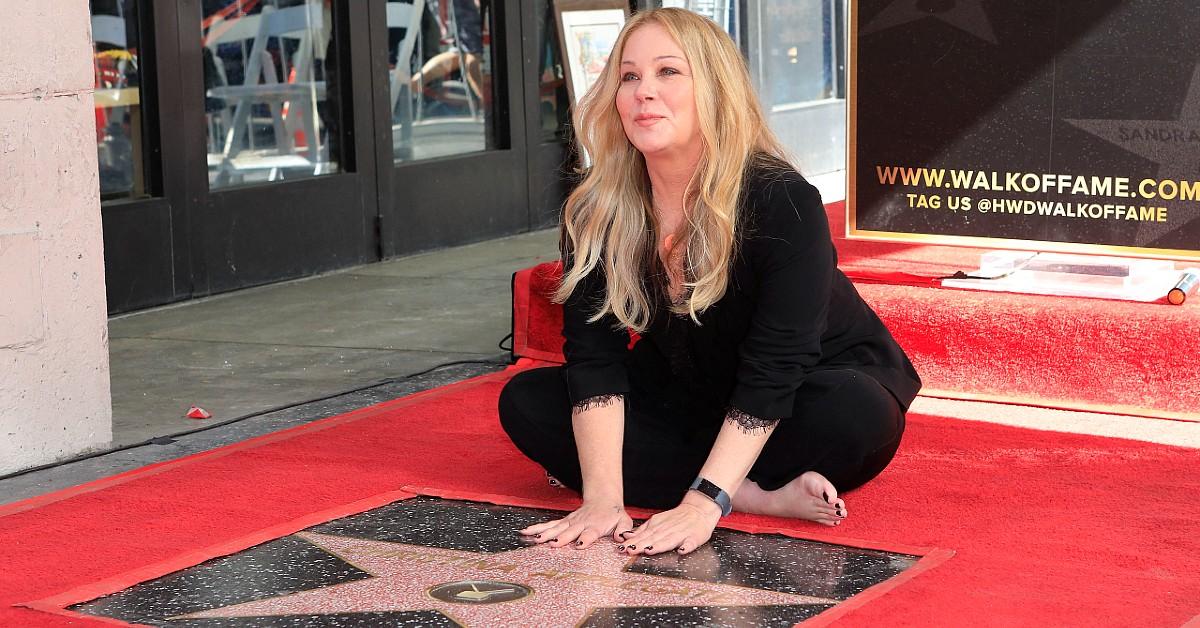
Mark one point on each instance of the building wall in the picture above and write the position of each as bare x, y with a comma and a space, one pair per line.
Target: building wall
54, 383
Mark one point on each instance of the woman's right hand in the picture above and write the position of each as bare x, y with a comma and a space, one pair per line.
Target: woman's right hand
581, 528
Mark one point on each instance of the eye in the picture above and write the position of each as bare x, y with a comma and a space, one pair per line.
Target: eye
628, 76
668, 71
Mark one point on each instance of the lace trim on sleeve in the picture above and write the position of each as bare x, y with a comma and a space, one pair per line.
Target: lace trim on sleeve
596, 401
748, 423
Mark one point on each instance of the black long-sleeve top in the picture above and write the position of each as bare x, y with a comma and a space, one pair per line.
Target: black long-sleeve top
787, 312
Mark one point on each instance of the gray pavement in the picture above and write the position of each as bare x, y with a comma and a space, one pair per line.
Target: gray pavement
247, 351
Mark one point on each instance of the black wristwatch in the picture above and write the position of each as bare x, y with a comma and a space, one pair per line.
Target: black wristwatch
713, 492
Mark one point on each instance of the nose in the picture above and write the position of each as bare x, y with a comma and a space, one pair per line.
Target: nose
645, 90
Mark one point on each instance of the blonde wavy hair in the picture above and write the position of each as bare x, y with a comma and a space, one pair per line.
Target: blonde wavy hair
609, 219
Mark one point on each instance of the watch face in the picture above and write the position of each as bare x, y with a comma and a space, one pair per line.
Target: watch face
715, 493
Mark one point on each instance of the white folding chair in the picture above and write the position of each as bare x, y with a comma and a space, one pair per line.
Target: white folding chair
293, 23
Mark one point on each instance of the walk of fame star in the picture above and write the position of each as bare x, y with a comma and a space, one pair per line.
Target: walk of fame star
966, 15
531, 586
1177, 157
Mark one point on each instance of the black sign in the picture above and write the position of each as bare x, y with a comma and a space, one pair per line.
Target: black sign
1069, 125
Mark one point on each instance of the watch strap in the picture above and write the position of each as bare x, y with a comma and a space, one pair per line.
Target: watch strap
713, 492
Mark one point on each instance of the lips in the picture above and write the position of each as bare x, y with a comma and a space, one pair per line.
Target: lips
646, 119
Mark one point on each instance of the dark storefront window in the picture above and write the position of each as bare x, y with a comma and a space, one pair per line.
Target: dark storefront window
270, 79
553, 101
119, 139
440, 77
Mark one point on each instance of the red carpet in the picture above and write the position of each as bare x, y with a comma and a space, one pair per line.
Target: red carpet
1046, 528
1070, 353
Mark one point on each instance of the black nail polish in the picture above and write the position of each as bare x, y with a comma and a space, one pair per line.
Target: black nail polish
825, 495
621, 548
649, 547
577, 543
553, 540
632, 547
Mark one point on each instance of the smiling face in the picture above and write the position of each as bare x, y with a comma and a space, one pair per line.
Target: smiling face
656, 99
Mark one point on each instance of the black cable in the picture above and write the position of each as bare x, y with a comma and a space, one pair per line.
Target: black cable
958, 274
166, 440
500, 344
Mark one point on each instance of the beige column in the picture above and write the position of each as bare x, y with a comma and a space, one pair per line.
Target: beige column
54, 390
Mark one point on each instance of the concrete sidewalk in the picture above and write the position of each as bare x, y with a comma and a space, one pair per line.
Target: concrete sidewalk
249, 351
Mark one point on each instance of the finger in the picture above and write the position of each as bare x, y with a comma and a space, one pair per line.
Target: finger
539, 527
567, 536
552, 534
641, 531
637, 541
639, 546
624, 527
652, 539
690, 544
586, 538
665, 542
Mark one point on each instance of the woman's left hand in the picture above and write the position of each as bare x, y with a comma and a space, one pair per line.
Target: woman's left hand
683, 528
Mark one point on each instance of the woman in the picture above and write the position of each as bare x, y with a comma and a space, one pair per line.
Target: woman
762, 383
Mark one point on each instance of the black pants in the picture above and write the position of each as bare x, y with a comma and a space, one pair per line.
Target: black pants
845, 426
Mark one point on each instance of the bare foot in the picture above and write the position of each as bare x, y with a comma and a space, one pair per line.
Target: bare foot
810, 497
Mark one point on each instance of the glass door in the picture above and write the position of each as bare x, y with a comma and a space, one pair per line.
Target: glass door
451, 154
235, 143
288, 183
244, 142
